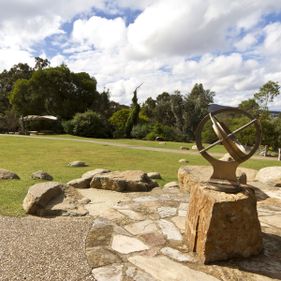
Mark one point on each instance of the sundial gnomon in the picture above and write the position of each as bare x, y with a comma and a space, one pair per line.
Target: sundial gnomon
224, 172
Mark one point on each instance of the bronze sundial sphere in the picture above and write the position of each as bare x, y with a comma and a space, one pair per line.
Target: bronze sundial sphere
224, 172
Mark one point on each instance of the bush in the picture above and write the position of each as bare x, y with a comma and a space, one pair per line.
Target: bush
88, 124
140, 131
118, 121
166, 133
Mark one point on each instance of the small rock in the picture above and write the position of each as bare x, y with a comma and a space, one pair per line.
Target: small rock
8, 175
77, 164
183, 161
80, 183
194, 147
172, 184
184, 148
154, 175
162, 142
39, 195
92, 173
41, 175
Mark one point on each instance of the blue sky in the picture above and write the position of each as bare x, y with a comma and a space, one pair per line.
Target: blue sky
169, 45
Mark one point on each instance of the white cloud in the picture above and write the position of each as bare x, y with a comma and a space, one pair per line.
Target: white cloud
100, 32
171, 45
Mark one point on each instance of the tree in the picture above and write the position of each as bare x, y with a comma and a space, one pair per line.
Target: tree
55, 91
196, 107
177, 107
41, 63
250, 106
118, 121
8, 79
267, 93
134, 114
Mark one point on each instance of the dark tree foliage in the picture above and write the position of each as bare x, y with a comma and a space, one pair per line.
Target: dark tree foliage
134, 115
196, 107
56, 91
7, 80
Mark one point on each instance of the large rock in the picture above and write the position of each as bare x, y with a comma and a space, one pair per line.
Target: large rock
189, 176
222, 226
133, 180
80, 183
92, 173
40, 195
269, 175
8, 175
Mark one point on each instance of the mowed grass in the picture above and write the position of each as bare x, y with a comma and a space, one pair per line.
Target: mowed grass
27, 155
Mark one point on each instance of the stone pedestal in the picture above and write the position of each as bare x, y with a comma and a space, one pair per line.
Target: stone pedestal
220, 226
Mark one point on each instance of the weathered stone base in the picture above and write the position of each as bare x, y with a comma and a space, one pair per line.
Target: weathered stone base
221, 226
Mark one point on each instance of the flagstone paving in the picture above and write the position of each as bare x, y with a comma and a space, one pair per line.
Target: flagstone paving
146, 243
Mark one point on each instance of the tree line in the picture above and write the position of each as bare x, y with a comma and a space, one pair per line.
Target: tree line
83, 111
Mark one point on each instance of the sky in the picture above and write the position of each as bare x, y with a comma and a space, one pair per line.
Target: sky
233, 47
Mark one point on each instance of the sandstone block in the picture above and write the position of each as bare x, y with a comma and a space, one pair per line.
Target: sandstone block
123, 181
80, 183
221, 226
269, 175
39, 195
92, 173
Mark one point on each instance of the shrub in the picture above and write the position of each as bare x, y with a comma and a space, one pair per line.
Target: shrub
140, 131
88, 124
118, 121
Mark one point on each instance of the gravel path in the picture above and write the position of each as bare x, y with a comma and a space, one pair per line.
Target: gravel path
43, 249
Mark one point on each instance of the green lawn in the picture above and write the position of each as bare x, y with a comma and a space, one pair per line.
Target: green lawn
26, 155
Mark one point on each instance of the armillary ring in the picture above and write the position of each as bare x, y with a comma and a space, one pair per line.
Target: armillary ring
224, 174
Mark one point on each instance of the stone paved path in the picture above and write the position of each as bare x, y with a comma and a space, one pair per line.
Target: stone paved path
141, 239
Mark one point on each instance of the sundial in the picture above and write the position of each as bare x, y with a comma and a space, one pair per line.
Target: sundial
224, 172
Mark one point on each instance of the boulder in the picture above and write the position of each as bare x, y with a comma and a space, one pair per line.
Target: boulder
226, 157
194, 147
8, 175
92, 173
77, 164
269, 175
221, 226
41, 175
132, 180
154, 175
80, 183
40, 195
183, 161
